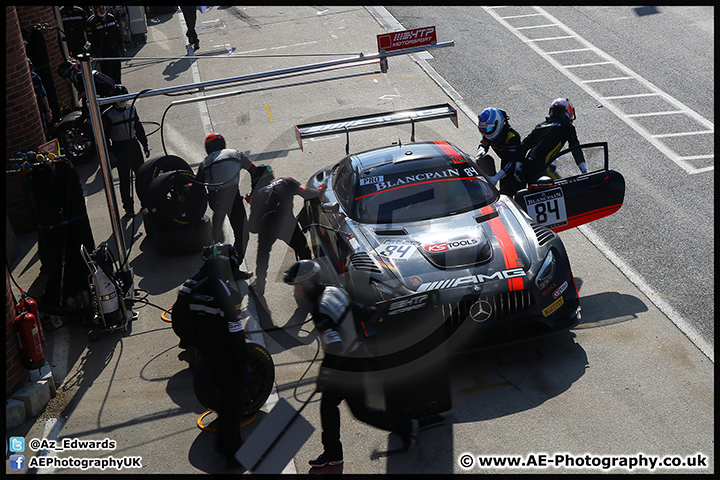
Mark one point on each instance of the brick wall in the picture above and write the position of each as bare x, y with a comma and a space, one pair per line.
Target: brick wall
15, 374
23, 126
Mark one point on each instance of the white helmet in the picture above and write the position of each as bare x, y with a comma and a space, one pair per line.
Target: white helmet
562, 104
491, 121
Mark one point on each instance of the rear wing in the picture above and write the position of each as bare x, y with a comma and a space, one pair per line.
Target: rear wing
377, 120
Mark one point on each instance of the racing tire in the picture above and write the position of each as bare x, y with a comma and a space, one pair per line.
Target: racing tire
149, 171
184, 240
76, 139
262, 379
176, 198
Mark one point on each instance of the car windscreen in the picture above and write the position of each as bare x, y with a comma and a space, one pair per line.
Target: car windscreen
391, 196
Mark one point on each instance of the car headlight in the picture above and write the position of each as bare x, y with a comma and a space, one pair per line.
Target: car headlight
546, 272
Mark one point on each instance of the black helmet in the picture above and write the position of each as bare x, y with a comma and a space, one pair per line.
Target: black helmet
264, 172
303, 273
119, 89
214, 142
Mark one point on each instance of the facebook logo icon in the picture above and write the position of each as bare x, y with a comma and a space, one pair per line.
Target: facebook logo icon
17, 462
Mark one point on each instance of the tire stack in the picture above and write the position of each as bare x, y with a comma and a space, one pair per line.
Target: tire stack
174, 206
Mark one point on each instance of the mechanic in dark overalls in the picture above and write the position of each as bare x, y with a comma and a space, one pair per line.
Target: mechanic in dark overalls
342, 372
494, 125
220, 170
125, 134
74, 21
103, 33
214, 305
71, 71
547, 139
272, 218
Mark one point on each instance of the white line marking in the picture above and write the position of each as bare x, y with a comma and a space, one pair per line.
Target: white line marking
597, 80
536, 26
682, 134
579, 65
652, 114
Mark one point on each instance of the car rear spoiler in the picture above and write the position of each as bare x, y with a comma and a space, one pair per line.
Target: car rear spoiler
377, 120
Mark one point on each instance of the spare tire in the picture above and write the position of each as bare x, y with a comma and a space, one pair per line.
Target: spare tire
262, 378
149, 170
176, 199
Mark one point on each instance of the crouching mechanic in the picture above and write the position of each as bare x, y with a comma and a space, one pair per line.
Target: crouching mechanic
343, 369
213, 304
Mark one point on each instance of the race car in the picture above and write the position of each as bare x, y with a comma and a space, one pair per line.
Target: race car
419, 231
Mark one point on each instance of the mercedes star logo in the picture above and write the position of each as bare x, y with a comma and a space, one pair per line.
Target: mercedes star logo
480, 311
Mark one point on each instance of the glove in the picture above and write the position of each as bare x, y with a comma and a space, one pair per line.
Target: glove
146, 149
518, 173
480, 152
583, 167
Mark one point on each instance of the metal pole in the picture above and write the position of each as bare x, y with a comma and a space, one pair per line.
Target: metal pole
269, 75
96, 121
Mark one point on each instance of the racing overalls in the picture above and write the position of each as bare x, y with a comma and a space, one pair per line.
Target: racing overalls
74, 20
544, 143
506, 147
126, 133
217, 315
342, 371
271, 217
106, 40
221, 171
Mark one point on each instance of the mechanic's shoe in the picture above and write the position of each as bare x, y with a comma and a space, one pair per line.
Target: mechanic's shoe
129, 213
196, 45
325, 459
409, 440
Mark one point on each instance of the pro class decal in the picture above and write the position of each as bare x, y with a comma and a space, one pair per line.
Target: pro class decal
509, 275
453, 245
547, 208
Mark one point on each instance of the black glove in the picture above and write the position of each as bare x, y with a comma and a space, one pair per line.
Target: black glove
146, 149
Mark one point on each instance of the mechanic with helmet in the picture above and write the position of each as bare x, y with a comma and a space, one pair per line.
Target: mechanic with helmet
125, 134
271, 217
494, 125
220, 171
212, 303
342, 372
547, 139
105, 37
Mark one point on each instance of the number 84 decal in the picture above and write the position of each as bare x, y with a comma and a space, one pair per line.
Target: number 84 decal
547, 208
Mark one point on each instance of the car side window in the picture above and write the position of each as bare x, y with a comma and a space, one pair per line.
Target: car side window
343, 185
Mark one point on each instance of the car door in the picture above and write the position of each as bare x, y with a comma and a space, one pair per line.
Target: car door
563, 198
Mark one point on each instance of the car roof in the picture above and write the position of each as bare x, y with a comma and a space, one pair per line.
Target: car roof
397, 155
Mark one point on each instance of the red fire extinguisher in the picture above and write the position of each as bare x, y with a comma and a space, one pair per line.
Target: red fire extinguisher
28, 334
27, 304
